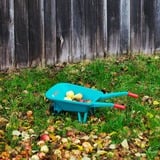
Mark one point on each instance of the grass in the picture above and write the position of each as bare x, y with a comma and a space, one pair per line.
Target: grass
24, 90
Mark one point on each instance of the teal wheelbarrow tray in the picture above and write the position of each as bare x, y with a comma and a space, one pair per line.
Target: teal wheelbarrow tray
57, 93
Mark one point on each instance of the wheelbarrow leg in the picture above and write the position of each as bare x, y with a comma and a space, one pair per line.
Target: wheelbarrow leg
80, 119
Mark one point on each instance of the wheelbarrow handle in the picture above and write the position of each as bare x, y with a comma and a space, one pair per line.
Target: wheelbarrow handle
113, 94
132, 95
103, 104
119, 106
118, 94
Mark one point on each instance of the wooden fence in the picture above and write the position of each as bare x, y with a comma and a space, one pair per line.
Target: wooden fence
45, 32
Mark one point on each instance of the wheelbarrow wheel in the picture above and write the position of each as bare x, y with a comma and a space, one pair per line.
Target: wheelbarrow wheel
51, 109
92, 111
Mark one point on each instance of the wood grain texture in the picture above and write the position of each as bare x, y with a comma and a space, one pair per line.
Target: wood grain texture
101, 36
6, 34
63, 28
46, 32
36, 34
157, 25
135, 26
77, 30
90, 28
21, 33
50, 31
124, 26
113, 16
148, 26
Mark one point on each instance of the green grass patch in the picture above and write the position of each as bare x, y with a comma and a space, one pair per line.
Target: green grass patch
24, 90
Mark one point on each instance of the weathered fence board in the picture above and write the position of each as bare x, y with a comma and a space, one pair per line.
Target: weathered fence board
147, 26
77, 29
63, 22
135, 26
21, 33
113, 26
6, 34
124, 26
45, 32
157, 25
36, 39
101, 37
90, 28
50, 31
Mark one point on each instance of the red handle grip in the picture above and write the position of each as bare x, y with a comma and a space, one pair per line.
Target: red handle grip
119, 106
132, 95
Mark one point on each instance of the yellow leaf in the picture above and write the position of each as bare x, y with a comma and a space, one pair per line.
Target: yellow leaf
53, 137
149, 115
155, 103
79, 147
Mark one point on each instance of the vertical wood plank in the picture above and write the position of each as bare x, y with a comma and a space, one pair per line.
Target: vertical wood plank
63, 28
36, 32
157, 25
101, 38
135, 30
90, 29
42, 33
124, 26
21, 33
147, 30
50, 31
6, 34
77, 29
113, 16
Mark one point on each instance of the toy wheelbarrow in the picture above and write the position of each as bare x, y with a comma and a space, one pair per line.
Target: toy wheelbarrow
92, 99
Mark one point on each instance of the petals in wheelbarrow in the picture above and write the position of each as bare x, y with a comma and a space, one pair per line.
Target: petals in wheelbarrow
104, 104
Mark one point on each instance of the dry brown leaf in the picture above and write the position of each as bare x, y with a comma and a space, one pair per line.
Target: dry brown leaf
87, 147
3, 122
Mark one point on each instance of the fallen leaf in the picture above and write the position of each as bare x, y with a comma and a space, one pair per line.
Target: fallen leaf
67, 154
86, 158
16, 133
149, 115
58, 153
155, 103
76, 152
3, 121
1, 133
25, 135
29, 113
124, 144
25, 92
44, 149
101, 152
112, 146
87, 147
35, 157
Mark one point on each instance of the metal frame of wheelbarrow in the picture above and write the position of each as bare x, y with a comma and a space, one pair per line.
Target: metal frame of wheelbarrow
57, 93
